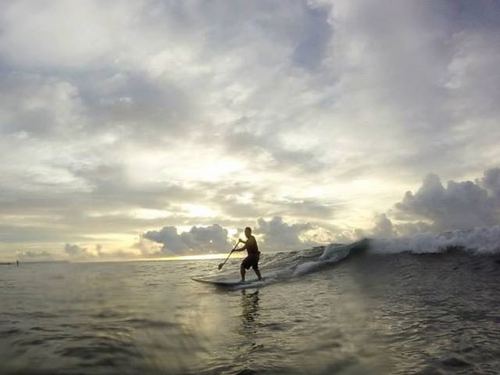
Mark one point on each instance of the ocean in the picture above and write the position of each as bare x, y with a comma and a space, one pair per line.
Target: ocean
420, 306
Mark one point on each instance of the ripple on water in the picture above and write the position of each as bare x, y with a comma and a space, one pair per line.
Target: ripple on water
10, 332
275, 326
107, 314
101, 348
455, 361
149, 323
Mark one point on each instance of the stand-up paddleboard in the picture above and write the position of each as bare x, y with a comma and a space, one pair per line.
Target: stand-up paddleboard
230, 283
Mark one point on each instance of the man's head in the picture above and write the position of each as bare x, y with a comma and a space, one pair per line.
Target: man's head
248, 232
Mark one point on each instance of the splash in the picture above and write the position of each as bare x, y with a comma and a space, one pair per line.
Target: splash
484, 240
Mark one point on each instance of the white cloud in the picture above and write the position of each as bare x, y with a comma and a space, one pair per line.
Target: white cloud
62, 33
35, 256
273, 235
213, 238
437, 208
77, 251
34, 105
279, 235
383, 227
459, 205
491, 181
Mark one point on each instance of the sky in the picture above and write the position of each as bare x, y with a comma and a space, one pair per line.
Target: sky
154, 128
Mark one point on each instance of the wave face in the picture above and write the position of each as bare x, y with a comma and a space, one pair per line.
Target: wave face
286, 266
298, 263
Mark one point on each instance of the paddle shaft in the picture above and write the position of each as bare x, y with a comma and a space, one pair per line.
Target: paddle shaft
222, 264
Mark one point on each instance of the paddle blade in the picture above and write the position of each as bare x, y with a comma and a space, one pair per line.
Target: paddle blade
220, 266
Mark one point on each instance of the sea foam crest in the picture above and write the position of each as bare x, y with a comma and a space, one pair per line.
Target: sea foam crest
331, 254
485, 240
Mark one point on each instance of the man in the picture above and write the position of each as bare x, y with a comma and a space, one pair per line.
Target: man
252, 259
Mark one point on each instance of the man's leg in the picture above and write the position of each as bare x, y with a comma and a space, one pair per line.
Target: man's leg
257, 272
256, 269
242, 272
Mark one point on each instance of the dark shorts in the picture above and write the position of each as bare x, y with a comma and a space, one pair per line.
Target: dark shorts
251, 261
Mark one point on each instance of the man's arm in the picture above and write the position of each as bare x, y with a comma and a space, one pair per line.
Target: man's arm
244, 246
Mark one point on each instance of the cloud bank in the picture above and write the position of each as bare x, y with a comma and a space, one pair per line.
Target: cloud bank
437, 208
198, 239
273, 235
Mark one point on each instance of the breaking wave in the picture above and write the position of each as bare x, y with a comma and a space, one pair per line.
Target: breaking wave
484, 240
286, 266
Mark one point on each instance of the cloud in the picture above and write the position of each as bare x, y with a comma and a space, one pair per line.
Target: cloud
76, 251
35, 256
279, 235
437, 208
32, 105
383, 227
459, 205
274, 235
213, 238
491, 181
266, 149
98, 252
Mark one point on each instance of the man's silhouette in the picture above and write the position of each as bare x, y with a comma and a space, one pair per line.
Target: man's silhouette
252, 259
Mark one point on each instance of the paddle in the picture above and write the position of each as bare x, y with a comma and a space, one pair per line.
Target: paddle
222, 264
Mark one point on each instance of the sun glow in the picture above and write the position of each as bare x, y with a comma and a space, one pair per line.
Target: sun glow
196, 210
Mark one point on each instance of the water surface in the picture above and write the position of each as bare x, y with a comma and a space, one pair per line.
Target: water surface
365, 314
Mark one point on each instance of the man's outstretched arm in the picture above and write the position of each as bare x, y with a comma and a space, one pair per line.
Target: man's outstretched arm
244, 246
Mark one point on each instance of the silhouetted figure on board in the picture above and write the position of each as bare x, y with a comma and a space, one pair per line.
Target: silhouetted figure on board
252, 259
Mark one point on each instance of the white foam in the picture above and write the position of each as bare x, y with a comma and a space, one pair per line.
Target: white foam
331, 254
484, 240
306, 267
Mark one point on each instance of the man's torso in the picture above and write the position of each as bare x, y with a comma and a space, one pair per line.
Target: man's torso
252, 248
